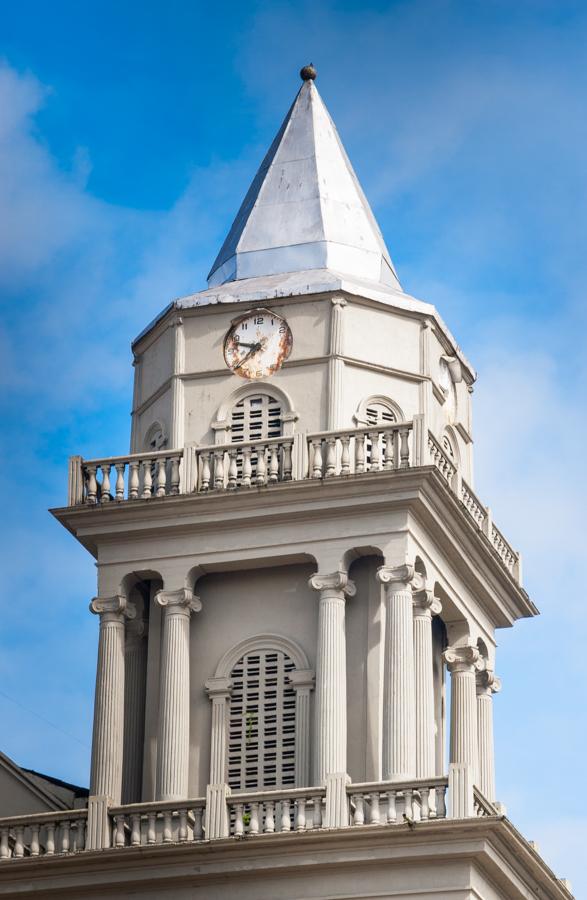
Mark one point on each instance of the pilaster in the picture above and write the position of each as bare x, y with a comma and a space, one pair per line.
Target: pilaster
302, 681
487, 685
425, 606
330, 738
177, 389
174, 697
399, 719
219, 691
336, 364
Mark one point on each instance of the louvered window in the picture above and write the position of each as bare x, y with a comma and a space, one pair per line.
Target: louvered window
379, 414
262, 722
255, 418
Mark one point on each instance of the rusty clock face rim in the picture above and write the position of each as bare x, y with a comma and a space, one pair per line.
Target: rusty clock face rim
276, 346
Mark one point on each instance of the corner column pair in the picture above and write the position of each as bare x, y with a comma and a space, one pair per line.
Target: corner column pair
108, 733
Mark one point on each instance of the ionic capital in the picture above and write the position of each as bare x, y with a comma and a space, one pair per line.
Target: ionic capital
487, 683
219, 688
181, 602
302, 679
462, 659
337, 583
396, 575
136, 631
113, 609
426, 604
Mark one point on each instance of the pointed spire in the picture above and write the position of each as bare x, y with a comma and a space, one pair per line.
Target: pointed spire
305, 208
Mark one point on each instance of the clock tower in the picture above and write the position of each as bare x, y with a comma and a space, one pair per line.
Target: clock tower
299, 590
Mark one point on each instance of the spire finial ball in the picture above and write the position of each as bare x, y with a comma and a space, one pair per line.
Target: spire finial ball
308, 73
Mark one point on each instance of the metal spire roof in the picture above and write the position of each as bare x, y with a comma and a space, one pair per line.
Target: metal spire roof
305, 208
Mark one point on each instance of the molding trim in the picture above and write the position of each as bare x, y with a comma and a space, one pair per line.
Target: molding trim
260, 642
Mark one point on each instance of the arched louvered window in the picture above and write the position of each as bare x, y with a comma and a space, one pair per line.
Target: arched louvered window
256, 417
377, 413
262, 722
155, 438
448, 447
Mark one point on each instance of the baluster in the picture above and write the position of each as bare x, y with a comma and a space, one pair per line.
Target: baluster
219, 470
261, 475
396, 459
35, 845
135, 834
440, 801
147, 479
120, 467
391, 814
18, 849
359, 454
300, 814
388, 450
247, 467
273, 464
205, 479
317, 459
359, 814
425, 803
50, 842
151, 828
408, 803
133, 480
4, 848
316, 812
375, 818
330, 457
64, 835
269, 817
174, 475
161, 476
119, 839
232, 470
375, 455
254, 821
91, 484
105, 493
404, 453
167, 831
345, 458
287, 460
239, 827
198, 830
183, 825
285, 816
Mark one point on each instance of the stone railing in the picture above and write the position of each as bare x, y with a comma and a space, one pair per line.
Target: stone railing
300, 457
397, 802
481, 805
141, 824
359, 450
269, 812
243, 465
43, 834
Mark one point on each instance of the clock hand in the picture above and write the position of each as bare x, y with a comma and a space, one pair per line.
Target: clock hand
247, 356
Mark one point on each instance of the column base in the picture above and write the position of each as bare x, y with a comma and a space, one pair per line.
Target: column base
337, 813
99, 831
216, 818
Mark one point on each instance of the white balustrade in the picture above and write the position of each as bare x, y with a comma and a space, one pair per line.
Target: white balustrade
244, 465
508, 556
440, 459
354, 452
393, 803
473, 505
273, 812
43, 834
481, 805
141, 824
140, 475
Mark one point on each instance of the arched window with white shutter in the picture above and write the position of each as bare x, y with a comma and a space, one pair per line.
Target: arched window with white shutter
255, 418
261, 698
377, 410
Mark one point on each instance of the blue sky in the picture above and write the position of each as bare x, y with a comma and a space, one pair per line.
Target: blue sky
128, 135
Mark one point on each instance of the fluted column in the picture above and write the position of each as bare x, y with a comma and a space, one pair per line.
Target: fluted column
302, 681
173, 739
135, 685
399, 712
107, 740
425, 606
330, 739
462, 665
219, 690
488, 684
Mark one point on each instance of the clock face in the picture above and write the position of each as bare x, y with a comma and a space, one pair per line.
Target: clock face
257, 344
